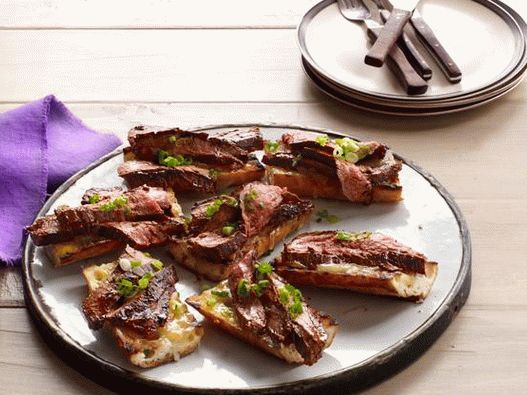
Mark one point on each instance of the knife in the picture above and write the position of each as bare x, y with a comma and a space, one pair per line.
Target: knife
400, 15
427, 37
413, 55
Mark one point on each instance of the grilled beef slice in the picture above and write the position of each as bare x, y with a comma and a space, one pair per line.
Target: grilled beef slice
217, 247
146, 312
137, 206
181, 178
224, 148
202, 222
248, 308
258, 202
266, 315
315, 248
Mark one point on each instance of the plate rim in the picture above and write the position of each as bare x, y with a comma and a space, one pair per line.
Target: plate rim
406, 111
376, 368
495, 6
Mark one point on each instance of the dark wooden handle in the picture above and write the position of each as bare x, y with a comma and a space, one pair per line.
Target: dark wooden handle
399, 65
443, 59
413, 55
389, 35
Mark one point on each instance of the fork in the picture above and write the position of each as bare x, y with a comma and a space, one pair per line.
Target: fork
356, 11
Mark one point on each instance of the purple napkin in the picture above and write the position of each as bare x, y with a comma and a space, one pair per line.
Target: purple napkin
41, 144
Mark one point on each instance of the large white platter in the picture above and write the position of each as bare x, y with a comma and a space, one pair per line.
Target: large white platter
377, 335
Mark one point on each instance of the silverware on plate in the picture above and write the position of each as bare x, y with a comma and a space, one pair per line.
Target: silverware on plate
399, 16
427, 37
356, 11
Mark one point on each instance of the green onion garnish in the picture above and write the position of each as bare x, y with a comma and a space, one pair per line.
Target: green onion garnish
172, 139
145, 280
135, 264
157, 264
271, 146
259, 287
228, 230
324, 214
220, 294
322, 140
94, 198
243, 288
213, 173
263, 268
172, 161
291, 298
347, 236
125, 287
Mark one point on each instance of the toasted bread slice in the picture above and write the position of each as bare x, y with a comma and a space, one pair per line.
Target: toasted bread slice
217, 311
319, 186
363, 262
251, 171
80, 248
180, 335
367, 280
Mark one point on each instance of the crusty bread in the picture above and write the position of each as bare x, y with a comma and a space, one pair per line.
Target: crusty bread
80, 248
264, 241
365, 279
223, 317
319, 186
250, 172
180, 335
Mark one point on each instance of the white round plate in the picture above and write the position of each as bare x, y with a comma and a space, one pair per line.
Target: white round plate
484, 37
336, 92
377, 335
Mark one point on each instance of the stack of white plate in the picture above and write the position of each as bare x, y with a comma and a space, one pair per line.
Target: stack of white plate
485, 38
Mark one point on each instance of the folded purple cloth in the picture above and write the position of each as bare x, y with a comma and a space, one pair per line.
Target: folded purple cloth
41, 144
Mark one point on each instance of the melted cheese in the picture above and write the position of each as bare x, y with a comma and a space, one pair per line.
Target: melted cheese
180, 336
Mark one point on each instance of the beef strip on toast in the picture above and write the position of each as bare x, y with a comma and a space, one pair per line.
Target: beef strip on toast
257, 216
313, 165
67, 242
260, 308
191, 161
370, 263
136, 298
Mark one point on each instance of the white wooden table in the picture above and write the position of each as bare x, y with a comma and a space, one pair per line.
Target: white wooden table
123, 62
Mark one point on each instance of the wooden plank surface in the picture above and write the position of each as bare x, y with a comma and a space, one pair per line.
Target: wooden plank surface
147, 14
468, 359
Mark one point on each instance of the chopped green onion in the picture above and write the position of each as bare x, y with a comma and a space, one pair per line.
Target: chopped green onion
263, 268
146, 253
172, 139
351, 157
260, 286
220, 294
157, 264
125, 288
213, 208
347, 236
243, 288
226, 312
119, 201
271, 146
134, 264
94, 198
291, 298
172, 161
350, 150
145, 280
322, 140
338, 152
228, 230
324, 214
211, 302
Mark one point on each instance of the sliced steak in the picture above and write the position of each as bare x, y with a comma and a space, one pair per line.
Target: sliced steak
136, 205
216, 247
180, 179
248, 308
258, 203
315, 248
102, 194
203, 222
143, 234
47, 230
146, 312
164, 198
249, 140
